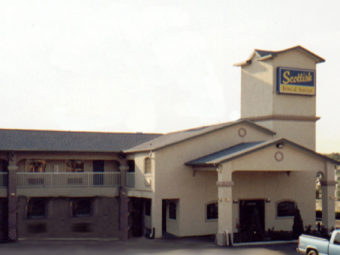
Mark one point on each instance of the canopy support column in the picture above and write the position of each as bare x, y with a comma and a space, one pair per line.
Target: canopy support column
224, 236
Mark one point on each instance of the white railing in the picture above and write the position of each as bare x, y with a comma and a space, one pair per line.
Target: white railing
66, 179
3, 179
130, 180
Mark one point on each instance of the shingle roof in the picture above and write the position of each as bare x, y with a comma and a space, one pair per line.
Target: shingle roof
37, 140
242, 149
180, 136
264, 53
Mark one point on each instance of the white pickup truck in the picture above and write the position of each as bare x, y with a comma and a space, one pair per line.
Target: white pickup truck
311, 245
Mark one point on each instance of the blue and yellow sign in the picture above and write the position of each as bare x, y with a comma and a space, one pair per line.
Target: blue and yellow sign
295, 81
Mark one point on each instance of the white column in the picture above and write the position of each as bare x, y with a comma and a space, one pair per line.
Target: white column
224, 236
329, 197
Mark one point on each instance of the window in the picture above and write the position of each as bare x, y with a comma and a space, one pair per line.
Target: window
286, 209
147, 207
81, 207
212, 211
75, 166
172, 210
37, 166
337, 239
36, 208
131, 164
3, 166
147, 165
3, 169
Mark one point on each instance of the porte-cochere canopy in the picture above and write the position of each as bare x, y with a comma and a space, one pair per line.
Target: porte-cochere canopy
266, 173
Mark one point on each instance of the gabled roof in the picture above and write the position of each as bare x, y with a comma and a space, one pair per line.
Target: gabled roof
38, 140
243, 149
268, 54
180, 136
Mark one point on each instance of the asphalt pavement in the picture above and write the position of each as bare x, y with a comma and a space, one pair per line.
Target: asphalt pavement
181, 246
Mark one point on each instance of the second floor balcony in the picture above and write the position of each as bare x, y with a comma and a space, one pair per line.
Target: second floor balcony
67, 179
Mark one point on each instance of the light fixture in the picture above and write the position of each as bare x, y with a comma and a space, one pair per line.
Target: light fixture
280, 145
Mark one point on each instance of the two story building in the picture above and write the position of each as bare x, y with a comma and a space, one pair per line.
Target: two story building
227, 179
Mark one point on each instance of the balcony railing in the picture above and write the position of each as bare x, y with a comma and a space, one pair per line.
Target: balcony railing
3, 179
130, 179
66, 179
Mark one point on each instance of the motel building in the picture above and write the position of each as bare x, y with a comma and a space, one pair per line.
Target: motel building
231, 180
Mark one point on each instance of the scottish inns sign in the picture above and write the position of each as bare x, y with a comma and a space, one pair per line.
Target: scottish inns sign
295, 81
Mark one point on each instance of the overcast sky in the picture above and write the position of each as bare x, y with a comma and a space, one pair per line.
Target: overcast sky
153, 65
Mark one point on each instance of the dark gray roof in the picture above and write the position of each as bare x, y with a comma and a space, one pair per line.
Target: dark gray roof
37, 140
180, 136
217, 157
264, 53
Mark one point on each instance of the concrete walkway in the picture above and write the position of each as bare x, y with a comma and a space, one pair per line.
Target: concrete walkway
183, 246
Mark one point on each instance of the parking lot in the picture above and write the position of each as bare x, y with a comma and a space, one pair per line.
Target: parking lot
182, 246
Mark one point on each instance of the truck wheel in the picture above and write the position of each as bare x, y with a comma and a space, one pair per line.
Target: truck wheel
312, 252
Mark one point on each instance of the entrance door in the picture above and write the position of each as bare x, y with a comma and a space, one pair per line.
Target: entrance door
252, 226
98, 169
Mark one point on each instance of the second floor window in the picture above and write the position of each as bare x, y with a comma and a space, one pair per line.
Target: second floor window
3, 166
75, 166
36, 166
147, 165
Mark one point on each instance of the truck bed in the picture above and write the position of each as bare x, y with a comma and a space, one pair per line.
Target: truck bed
317, 243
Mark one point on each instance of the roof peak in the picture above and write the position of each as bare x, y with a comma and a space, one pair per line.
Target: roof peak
169, 139
267, 54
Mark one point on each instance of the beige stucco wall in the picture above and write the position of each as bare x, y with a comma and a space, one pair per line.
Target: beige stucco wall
294, 159
300, 132
173, 180
259, 97
257, 89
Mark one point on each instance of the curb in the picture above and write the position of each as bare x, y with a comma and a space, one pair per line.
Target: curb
265, 243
